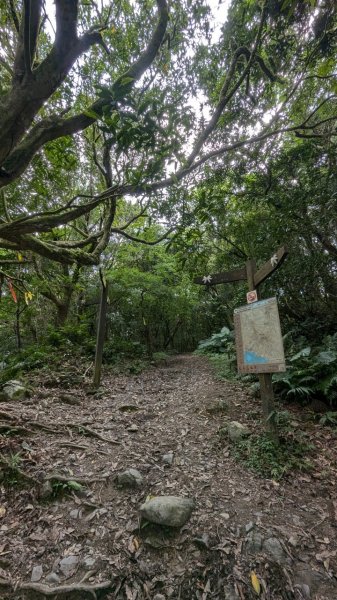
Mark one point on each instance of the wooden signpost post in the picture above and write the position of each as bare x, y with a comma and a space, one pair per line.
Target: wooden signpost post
254, 279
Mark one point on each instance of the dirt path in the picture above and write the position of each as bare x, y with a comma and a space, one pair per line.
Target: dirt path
284, 532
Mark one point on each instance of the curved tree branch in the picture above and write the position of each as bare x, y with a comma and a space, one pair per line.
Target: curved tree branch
15, 155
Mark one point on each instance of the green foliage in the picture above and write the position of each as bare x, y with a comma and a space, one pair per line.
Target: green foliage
218, 342
119, 348
60, 488
330, 418
224, 366
10, 466
311, 373
262, 455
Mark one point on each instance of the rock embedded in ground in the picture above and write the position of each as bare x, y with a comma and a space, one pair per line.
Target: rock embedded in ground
53, 578
304, 590
254, 541
218, 406
305, 576
273, 549
202, 541
37, 573
69, 399
172, 511
293, 541
237, 431
130, 478
14, 390
89, 562
168, 458
230, 593
68, 565
76, 513
46, 490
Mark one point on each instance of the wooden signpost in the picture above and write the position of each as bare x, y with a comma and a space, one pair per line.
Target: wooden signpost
254, 279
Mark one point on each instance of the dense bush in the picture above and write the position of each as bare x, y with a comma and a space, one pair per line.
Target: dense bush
311, 372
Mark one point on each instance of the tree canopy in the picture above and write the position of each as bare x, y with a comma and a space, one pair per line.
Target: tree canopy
136, 100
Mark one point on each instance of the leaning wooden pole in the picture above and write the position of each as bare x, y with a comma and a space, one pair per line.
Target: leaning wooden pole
100, 332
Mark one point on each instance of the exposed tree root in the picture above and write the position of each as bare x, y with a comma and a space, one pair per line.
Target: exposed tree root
6, 415
80, 447
58, 590
43, 426
12, 428
67, 478
89, 432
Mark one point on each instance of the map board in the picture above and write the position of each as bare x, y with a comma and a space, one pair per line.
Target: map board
258, 337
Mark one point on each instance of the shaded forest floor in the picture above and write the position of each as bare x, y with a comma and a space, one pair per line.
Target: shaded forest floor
89, 542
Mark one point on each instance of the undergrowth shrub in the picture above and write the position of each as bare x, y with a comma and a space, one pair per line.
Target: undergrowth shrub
260, 454
220, 349
311, 373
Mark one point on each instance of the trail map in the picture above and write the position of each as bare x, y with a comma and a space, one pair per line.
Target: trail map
258, 338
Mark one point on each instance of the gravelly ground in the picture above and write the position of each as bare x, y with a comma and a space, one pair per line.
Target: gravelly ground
98, 528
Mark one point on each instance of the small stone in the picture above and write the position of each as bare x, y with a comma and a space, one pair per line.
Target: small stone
159, 597
37, 573
130, 477
230, 593
236, 431
45, 490
293, 541
254, 541
69, 399
203, 541
304, 589
168, 458
133, 427
68, 565
53, 578
305, 576
167, 510
89, 562
14, 390
273, 549
224, 515
218, 406
76, 513
249, 527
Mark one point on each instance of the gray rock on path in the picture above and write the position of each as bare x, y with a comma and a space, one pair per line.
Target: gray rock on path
37, 573
168, 458
236, 431
45, 490
218, 406
53, 578
254, 541
69, 399
14, 390
172, 511
230, 593
89, 562
272, 548
130, 478
68, 565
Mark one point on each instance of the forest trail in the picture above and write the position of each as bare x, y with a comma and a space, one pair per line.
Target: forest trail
76, 543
